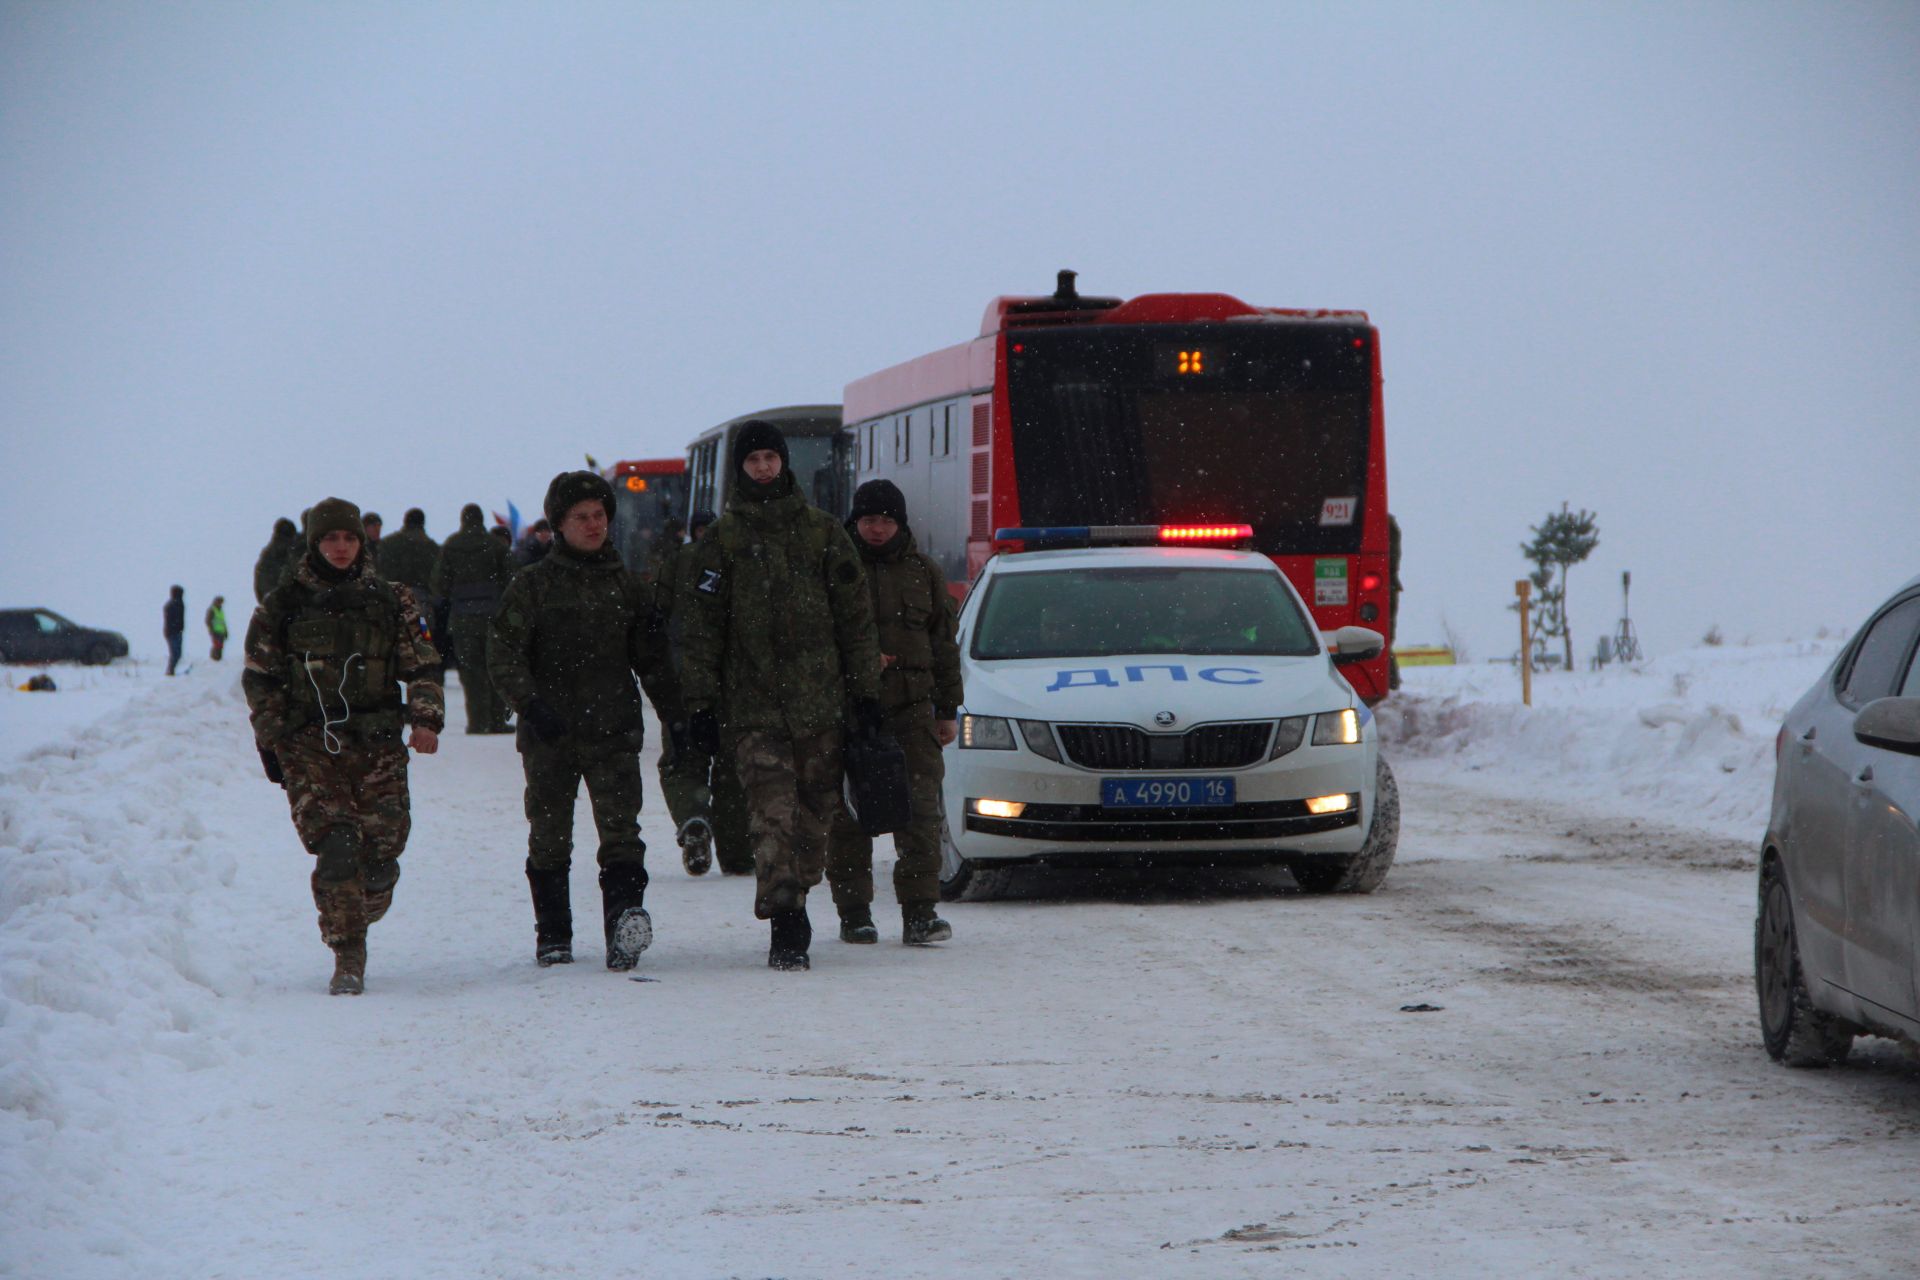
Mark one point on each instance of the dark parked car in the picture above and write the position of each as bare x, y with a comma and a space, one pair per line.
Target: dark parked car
1837, 944
41, 635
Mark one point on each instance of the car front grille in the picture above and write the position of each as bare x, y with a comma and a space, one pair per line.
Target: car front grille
1209, 746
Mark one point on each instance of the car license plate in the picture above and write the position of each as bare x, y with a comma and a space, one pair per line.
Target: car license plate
1164, 793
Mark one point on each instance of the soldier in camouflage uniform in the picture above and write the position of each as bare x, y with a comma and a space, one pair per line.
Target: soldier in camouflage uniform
471, 573
407, 558
920, 694
703, 794
282, 548
327, 652
569, 636
777, 634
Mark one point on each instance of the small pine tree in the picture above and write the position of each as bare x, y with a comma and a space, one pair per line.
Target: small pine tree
1562, 540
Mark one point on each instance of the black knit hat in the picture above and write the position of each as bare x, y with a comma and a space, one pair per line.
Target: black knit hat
755, 435
570, 488
333, 515
879, 498
414, 519
284, 528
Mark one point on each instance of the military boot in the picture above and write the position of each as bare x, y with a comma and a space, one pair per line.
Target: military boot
920, 926
629, 927
792, 935
696, 846
349, 968
552, 917
856, 924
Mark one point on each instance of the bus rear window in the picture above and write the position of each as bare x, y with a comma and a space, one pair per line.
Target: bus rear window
1262, 423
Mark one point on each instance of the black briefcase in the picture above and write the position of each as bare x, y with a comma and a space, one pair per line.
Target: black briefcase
876, 788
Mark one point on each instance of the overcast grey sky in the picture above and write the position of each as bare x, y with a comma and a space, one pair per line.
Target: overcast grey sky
1661, 261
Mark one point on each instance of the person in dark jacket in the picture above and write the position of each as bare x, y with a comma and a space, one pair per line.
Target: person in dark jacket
534, 543
372, 523
570, 635
920, 693
407, 558
282, 549
470, 575
173, 624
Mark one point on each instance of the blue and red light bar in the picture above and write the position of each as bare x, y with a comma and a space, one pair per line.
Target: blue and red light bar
1134, 534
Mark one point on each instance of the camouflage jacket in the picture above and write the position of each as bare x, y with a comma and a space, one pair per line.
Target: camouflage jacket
473, 570
407, 557
915, 616
776, 625
272, 564
335, 655
573, 630
664, 571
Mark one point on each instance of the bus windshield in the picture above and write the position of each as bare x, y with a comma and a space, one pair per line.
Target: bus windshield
1263, 422
816, 470
1110, 613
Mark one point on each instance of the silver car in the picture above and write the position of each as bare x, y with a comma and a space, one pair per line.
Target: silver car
1836, 949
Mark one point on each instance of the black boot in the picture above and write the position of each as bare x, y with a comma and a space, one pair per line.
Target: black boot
629, 927
792, 935
552, 917
920, 926
696, 846
856, 924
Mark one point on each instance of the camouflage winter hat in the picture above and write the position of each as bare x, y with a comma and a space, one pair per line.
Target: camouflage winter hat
334, 515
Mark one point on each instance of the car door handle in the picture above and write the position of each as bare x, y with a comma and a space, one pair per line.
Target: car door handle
1864, 776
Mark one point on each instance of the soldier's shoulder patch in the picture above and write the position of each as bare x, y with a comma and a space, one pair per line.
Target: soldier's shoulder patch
709, 583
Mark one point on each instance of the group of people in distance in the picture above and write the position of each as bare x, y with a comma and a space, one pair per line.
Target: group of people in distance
782, 632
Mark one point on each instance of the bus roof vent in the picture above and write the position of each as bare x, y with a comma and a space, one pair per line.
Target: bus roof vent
1064, 305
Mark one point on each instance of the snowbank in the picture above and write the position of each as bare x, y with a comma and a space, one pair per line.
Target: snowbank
1688, 738
113, 950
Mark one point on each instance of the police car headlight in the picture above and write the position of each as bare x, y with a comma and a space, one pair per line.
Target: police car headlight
1039, 739
986, 733
1336, 728
1291, 733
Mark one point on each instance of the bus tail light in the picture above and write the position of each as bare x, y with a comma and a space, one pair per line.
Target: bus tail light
1369, 582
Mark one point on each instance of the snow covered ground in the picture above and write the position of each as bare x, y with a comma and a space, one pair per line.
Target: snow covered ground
1155, 1077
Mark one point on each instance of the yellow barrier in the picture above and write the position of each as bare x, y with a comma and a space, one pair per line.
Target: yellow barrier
1424, 655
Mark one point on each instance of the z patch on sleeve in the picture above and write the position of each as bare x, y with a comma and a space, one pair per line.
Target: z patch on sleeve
709, 582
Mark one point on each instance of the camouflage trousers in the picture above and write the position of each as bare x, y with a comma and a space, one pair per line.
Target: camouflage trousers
703, 786
916, 867
554, 771
486, 710
351, 811
793, 791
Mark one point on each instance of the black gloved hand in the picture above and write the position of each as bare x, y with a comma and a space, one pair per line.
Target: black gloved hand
868, 717
703, 733
547, 724
271, 763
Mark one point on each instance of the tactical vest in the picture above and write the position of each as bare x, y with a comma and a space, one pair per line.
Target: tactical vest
340, 659
789, 611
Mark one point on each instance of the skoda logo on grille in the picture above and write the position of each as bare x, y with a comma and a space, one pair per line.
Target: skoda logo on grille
1164, 718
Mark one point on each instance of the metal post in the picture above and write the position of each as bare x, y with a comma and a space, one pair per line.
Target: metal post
1524, 589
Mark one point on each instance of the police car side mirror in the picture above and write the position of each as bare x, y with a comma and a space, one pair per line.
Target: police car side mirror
1890, 723
1354, 644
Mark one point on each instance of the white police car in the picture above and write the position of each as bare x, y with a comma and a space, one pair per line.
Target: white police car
1145, 704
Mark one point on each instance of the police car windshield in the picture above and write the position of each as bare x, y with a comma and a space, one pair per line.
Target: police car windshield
1100, 613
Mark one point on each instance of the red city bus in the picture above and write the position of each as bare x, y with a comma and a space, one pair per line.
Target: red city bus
645, 493
1168, 408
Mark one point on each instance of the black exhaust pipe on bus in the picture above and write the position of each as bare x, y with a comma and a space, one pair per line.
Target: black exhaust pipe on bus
1065, 297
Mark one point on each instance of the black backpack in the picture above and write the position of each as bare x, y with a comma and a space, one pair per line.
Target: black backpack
876, 790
